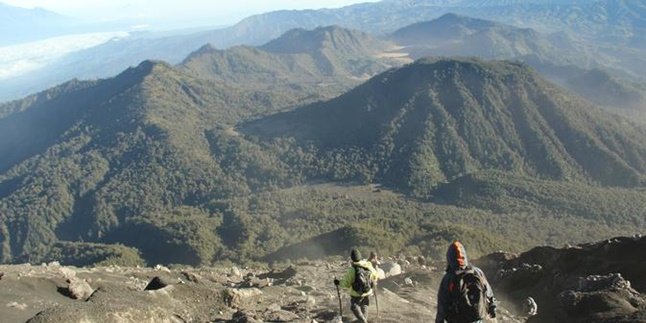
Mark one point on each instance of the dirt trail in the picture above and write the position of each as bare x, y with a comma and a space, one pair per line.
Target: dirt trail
301, 293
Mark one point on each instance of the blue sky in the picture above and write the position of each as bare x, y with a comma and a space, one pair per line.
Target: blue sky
173, 10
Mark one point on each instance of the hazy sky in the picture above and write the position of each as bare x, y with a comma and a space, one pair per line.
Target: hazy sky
175, 10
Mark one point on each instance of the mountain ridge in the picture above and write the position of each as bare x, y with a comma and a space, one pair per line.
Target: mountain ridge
379, 18
407, 97
162, 151
558, 57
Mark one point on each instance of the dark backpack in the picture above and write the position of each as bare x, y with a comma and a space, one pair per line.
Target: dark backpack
468, 301
362, 282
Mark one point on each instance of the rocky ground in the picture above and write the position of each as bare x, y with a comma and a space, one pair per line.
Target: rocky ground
597, 282
300, 293
559, 280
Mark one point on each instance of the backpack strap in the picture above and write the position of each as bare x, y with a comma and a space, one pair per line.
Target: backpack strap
356, 272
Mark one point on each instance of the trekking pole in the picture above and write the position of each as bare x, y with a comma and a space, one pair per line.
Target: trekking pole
338, 293
376, 300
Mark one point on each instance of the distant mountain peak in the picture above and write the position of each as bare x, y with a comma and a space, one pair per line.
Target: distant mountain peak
146, 68
446, 27
451, 17
327, 37
206, 49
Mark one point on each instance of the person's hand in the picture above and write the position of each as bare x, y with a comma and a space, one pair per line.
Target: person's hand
336, 282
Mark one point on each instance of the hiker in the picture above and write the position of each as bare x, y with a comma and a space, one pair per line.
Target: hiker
374, 260
360, 279
530, 308
465, 295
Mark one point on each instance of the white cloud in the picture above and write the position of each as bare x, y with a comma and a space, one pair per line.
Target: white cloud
19, 59
16, 60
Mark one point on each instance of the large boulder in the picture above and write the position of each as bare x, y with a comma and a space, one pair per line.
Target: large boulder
612, 281
520, 277
576, 283
160, 282
240, 298
78, 288
381, 274
391, 269
601, 297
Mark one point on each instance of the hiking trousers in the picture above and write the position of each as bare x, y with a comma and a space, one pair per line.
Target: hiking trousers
359, 306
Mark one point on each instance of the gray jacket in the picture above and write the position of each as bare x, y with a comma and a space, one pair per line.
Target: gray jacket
456, 258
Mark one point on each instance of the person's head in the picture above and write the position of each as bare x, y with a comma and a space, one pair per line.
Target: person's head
355, 255
456, 256
373, 256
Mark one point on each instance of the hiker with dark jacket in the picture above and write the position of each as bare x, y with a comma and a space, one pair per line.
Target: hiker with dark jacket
360, 279
465, 295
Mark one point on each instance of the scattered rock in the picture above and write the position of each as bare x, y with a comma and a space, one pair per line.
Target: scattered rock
421, 261
192, 277
606, 290
235, 272
391, 269
1, 275
238, 298
16, 305
67, 273
610, 282
408, 281
252, 281
54, 264
306, 288
521, 276
289, 272
244, 317
404, 262
79, 288
283, 277
162, 268
279, 316
310, 302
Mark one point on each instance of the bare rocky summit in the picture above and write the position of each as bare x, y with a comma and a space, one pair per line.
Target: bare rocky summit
597, 282
594, 282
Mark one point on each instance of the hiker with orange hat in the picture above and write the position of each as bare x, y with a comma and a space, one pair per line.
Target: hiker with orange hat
465, 295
